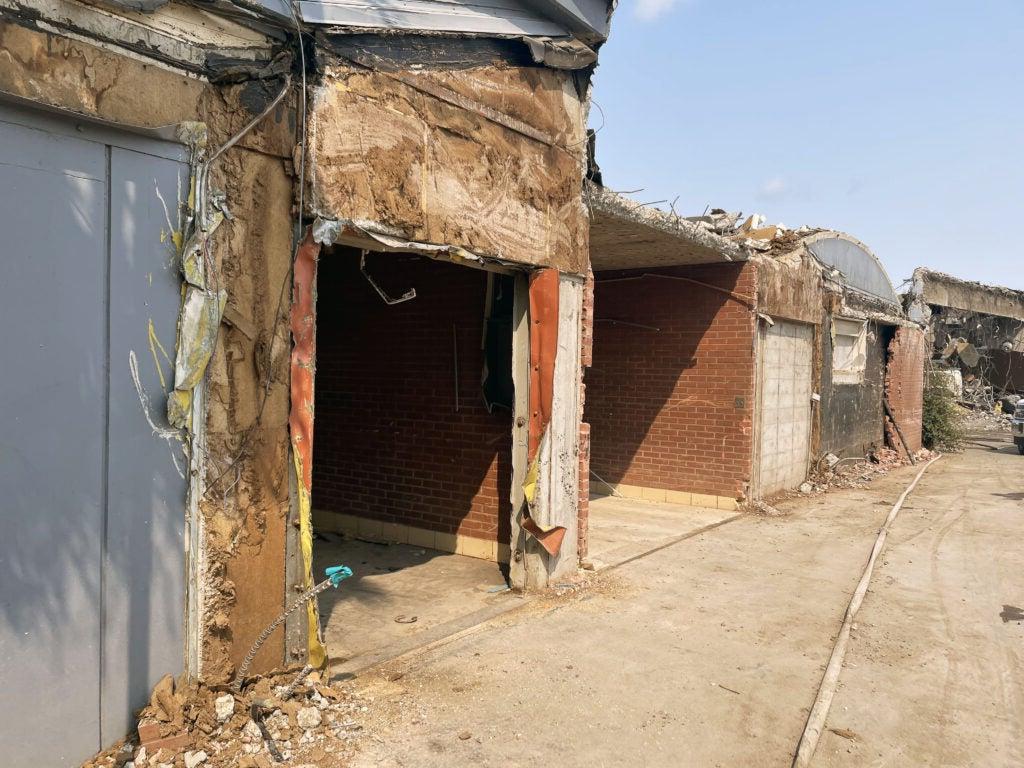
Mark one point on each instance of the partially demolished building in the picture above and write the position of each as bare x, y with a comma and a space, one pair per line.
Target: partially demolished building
729, 358
177, 174
977, 333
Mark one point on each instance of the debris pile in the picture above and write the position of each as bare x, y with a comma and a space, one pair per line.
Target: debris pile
751, 232
833, 472
195, 726
976, 420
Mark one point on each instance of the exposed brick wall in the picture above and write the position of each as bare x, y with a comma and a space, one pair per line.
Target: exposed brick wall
904, 385
388, 442
673, 408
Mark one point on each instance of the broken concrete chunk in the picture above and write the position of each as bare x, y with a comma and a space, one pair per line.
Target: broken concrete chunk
308, 717
251, 733
193, 759
224, 706
806, 487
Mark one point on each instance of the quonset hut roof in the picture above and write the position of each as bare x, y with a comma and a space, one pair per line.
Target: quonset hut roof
859, 268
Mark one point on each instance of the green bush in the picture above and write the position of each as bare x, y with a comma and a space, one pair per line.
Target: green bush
940, 420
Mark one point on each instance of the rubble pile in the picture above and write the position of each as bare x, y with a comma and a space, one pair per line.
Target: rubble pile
976, 420
752, 232
833, 472
195, 726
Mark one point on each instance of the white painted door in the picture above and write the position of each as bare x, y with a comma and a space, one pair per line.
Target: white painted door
785, 405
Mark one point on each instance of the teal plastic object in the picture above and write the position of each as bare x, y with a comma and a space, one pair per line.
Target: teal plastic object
337, 574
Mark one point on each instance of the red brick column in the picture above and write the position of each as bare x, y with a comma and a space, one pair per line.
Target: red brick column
904, 386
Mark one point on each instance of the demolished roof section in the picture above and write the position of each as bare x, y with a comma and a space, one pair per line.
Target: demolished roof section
627, 235
845, 259
938, 289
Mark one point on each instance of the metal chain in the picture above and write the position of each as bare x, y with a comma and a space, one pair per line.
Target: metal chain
305, 597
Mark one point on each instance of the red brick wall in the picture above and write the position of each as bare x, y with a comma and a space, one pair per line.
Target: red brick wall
388, 442
904, 385
672, 408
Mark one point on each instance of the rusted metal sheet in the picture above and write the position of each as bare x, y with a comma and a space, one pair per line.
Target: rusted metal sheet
300, 418
543, 347
544, 292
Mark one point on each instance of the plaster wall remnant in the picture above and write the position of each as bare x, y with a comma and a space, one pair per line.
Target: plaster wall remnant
488, 158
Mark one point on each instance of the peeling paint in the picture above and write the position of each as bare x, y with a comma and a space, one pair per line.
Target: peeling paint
300, 420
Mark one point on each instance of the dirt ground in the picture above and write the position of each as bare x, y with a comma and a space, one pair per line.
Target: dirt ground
710, 652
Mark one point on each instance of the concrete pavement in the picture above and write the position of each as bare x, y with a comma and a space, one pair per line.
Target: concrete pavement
709, 652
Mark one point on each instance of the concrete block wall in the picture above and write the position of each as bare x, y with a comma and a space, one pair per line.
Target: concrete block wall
904, 385
670, 406
389, 444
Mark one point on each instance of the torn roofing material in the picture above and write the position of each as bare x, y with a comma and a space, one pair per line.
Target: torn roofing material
627, 235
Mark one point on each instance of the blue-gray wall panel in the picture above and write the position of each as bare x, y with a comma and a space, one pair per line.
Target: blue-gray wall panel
92, 571
145, 553
52, 394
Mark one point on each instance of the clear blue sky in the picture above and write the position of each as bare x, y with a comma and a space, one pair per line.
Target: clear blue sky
899, 122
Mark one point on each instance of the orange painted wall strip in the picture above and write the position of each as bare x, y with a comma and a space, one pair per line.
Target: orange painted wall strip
300, 418
543, 347
303, 361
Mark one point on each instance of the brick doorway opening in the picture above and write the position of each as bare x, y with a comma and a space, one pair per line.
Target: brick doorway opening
412, 453
669, 400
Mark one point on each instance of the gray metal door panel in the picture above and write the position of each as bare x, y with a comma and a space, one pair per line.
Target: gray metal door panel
92, 572
52, 420
145, 552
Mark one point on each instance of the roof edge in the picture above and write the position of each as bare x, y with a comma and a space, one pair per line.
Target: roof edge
609, 203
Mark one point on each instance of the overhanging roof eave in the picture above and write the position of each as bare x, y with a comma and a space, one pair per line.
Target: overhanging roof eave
627, 235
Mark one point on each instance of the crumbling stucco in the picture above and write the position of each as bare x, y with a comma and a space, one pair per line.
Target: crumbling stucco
489, 159
790, 287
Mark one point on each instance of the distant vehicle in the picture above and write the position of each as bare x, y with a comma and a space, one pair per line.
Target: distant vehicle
1017, 428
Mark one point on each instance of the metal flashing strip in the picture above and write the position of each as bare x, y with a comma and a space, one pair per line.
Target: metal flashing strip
372, 236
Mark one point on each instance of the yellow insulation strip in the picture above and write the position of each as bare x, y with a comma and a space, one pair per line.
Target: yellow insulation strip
317, 652
531, 481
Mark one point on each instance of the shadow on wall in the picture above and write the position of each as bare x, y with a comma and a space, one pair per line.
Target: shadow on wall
670, 405
402, 431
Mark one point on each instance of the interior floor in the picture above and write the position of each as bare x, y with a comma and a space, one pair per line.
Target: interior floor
398, 597
621, 529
